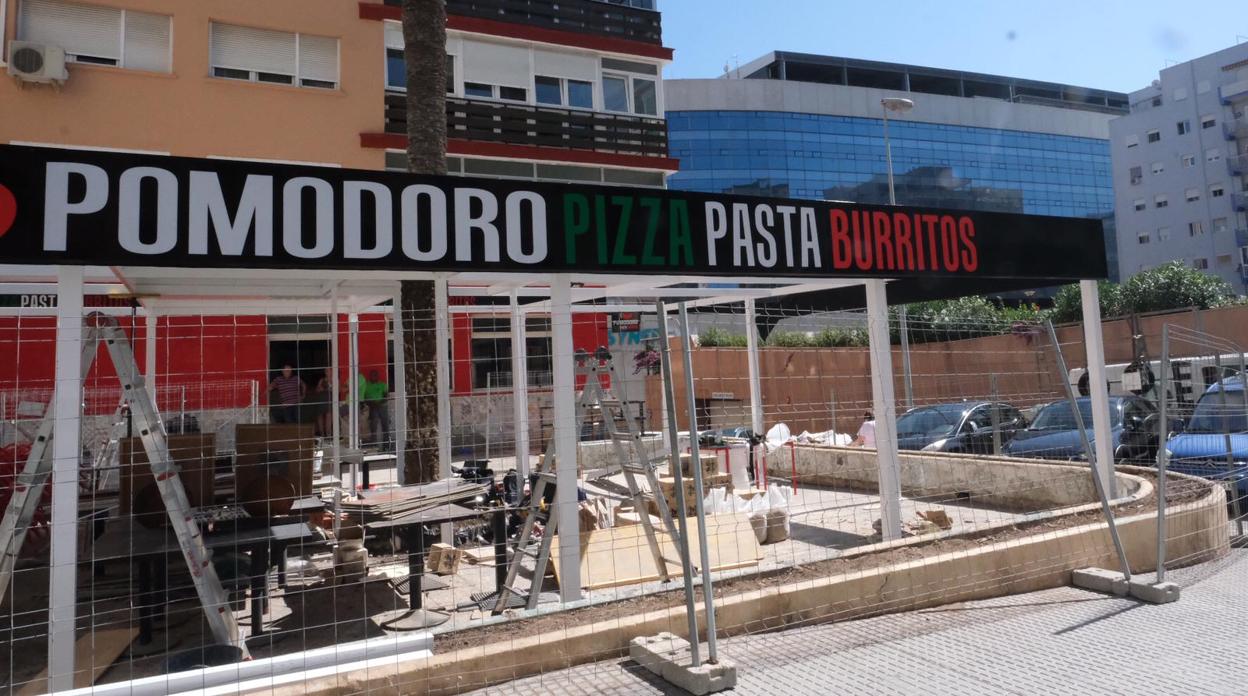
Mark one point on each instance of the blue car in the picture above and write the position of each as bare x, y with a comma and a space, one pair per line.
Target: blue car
1218, 428
1054, 435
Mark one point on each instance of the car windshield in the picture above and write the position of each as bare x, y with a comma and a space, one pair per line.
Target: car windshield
937, 421
1059, 416
1220, 412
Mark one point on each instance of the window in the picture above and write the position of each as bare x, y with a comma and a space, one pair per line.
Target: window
1140, 204
477, 89
548, 90
1203, 86
1143, 238
1224, 259
99, 35
490, 352
629, 92
1208, 122
1195, 229
277, 57
1158, 168
1184, 127
1200, 264
561, 92
1192, 195
396, 71
513, 93
645, 97
1217, 191
1188, 161
1214, 155
614, 93
1220, 225
1163, 234
1161, 200
1157, 100
1132, 141
1137, 175
1180, 93
1153, 136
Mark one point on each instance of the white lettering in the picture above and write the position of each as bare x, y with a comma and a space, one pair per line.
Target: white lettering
292, 217
515, 230
130, 207
56, 205
255, 206
716, 228
465, 223
409, 205
810, 242
786, 212
383, 210
741, 235
763, 220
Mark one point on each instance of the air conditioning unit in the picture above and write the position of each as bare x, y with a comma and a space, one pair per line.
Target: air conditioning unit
34, 62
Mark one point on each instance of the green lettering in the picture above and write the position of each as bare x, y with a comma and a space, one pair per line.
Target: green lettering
575, 221
680, 241
652, 226
626, 217
600, 217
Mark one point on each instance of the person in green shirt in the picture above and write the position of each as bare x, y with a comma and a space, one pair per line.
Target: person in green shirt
373, 392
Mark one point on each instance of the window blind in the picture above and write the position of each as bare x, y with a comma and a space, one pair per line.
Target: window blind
496, 64
146, 42
82, 30
394, 35
248, 48
318, 58
569, 65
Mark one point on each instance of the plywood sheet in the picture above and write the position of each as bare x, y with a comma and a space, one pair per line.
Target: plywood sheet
194, 454
621, 555
94, 653
266, 449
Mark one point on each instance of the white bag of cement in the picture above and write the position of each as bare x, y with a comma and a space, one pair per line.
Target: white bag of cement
777, 437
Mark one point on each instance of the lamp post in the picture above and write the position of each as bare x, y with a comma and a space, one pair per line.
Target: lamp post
900, 106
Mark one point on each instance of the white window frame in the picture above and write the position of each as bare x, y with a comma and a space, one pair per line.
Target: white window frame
296, 79
1140, 204
1213, 155
1192, 195
1132, 140
1217, 190
565, 94
1210, 119
1143, 238
1196, 228
1200, 263
1188, 161
1183, 127
121, 42
1226, 225
1163, 234
1148, 135
604, 75
1157, 168
1161, 200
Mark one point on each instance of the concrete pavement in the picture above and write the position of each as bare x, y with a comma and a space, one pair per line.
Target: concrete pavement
1053, 642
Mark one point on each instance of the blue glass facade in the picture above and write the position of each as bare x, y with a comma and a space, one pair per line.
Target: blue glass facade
813, 156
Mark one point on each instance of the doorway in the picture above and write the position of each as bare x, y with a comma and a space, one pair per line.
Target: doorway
309, 357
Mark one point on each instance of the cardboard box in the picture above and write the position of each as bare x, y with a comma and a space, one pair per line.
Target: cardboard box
710, 463
443, 559
667, 486
193, 454
274, 449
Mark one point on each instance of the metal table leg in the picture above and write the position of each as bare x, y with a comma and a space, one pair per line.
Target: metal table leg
416, 617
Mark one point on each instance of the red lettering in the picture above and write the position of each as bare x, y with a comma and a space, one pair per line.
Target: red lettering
901, 237
862, 240
842, 246
970, 253
929, 224
883, 241
949, 242
918, 241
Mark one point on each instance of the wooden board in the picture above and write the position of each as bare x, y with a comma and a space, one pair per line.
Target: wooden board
94, 653
195, 456
281, 449
621, 555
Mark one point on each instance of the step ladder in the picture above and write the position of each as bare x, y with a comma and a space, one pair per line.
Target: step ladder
146, 423
632, 460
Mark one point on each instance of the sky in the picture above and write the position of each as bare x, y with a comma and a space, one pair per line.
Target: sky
1116, 45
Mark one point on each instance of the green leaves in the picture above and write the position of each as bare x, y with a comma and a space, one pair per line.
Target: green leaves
1171, 286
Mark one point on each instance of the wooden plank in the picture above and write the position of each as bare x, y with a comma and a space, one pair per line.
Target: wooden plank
621, 555
94, 652
195, 456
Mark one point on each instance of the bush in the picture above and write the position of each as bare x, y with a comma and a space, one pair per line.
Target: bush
718, 338
791, 339
1170, 286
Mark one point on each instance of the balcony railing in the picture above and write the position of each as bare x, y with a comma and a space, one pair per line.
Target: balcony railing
521, 124
1236, 128
581, 16
1239, 201
1237, 165
1241, 237
1234, 91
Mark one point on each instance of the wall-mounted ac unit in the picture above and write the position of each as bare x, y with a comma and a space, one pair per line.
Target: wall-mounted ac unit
35, 62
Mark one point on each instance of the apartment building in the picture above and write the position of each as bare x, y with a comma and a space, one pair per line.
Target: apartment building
1181, 169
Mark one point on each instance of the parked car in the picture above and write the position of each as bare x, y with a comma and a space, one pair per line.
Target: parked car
1054, 435
957, 427
1219, 422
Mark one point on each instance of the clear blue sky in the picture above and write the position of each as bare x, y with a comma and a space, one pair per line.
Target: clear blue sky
1108, 44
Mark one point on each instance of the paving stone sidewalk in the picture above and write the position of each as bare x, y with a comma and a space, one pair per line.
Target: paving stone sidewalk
1062, 641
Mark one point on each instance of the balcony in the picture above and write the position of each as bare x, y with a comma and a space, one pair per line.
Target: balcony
1237, 165
1236, 128
1241, 237
1233, 91
541, 126
1239, 201
580, 16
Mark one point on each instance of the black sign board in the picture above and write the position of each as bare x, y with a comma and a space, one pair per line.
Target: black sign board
75, 207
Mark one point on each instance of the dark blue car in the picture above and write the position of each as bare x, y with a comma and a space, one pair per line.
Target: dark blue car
957, 427
1214, 444
1054, 434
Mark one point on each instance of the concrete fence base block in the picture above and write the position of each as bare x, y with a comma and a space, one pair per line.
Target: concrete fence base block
1100, 580
668, 656
1154, 593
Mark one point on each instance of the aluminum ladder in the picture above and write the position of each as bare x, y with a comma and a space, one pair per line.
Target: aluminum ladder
593, 368
30, 482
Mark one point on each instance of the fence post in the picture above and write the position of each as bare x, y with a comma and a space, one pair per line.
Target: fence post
996, 415
1163, 459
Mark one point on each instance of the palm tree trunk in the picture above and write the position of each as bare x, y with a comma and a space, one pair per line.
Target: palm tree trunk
424, 36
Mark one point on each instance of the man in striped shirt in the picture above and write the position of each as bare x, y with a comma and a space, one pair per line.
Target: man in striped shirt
289, 390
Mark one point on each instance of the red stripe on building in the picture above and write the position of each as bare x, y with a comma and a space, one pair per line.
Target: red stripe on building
454, 146
376, 11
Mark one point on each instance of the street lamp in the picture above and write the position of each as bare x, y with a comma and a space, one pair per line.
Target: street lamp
899, 105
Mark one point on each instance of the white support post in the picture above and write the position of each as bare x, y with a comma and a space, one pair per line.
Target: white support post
1102, 425
520, 386
149, 356
335, 369
884, 408
66, 458
399, 389
442, 333
353, 395
756, 386
565, 434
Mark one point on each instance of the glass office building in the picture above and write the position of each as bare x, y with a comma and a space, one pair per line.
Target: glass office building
834, 148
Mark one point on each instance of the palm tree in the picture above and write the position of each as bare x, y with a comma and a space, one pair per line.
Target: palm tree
424, 36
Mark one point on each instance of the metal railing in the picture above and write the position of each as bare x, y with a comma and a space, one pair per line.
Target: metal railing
1237, 165
1236, 128
543, 126
582, 16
